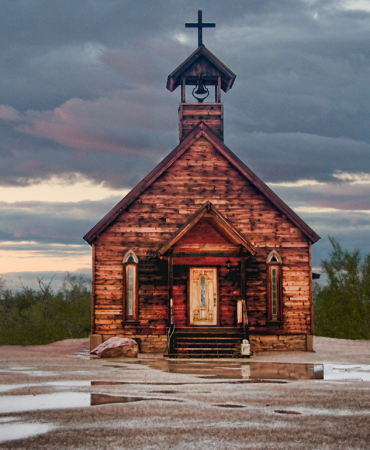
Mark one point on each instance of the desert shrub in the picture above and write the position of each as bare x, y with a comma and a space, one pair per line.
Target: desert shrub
32, 317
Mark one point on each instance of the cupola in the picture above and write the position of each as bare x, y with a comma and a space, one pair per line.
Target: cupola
204, 73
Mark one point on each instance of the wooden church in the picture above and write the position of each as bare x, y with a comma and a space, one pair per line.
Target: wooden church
201, 254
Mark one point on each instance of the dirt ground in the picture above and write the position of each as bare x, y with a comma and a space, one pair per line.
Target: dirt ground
55, 396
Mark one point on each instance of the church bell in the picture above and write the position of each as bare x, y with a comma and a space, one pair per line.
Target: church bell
200, 92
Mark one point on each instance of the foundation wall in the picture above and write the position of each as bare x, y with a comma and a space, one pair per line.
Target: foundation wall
297, 342
259, 343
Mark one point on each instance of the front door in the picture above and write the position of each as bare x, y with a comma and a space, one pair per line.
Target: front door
203, 296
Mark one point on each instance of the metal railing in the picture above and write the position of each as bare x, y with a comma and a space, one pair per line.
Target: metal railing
171, 331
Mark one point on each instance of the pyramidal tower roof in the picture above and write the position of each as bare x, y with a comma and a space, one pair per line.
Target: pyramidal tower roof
202, 62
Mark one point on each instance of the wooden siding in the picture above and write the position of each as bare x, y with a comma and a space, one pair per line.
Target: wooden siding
191, 114
199, 175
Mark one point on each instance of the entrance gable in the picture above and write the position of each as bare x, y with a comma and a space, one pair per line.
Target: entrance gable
206, 231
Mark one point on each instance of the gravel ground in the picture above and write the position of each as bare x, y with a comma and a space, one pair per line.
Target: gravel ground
55, 396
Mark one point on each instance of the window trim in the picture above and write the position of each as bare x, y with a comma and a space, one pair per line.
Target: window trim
135, 286
274, 263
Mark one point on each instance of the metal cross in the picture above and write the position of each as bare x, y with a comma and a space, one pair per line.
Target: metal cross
200, 25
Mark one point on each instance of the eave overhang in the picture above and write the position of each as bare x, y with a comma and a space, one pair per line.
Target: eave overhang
227, 75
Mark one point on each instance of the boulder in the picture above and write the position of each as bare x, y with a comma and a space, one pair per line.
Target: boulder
116, 347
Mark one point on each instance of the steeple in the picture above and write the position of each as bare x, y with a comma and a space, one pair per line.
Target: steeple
201, 70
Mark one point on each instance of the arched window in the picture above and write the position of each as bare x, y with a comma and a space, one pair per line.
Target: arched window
130, 286
274, 298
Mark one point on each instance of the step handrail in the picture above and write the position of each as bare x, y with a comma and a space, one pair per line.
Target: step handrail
171, 330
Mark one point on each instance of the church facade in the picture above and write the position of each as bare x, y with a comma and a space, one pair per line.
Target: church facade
202, 254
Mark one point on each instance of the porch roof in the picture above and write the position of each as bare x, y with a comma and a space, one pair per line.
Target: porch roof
208, 209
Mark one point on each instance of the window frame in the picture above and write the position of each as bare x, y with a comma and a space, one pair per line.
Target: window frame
274, 263
128, 265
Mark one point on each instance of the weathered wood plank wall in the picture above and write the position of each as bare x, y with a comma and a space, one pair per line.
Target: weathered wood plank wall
201, 174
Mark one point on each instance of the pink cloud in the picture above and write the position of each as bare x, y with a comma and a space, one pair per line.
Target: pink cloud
110, 123
9, 113
348, 204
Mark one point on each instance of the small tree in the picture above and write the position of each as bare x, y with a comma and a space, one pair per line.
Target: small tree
342, 306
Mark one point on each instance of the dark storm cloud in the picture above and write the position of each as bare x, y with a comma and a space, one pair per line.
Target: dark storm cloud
128, 155
351, 230
341, 196
302, 67
82, 91
294, 156
45, 223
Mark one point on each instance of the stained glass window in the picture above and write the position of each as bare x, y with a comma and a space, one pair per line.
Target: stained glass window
202, 291
130, 291
274, 292
130, 261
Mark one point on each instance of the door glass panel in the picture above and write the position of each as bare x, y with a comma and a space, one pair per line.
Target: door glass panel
202, 292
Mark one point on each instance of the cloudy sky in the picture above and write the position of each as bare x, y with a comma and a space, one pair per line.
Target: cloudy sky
85, 115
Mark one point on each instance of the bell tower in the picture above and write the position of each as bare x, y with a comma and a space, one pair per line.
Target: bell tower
202, 72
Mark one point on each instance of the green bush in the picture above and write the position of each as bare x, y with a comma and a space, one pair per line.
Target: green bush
342, 306
33, 317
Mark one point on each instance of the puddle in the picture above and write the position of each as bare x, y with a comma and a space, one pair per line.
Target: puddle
341, 372
261, 372
284, 411
105, 399
84, 354
66, 400
12, 431
7, 419
11, 387
183, 383
253, 371
29, 371
67, 383
220, 405
166, 392
109, 383
59, 400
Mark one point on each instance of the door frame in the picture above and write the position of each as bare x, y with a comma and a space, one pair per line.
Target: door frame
217, 300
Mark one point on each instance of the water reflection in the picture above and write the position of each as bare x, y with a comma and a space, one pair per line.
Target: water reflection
245, 371
105, 399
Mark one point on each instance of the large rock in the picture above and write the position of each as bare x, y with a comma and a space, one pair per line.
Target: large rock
116, 347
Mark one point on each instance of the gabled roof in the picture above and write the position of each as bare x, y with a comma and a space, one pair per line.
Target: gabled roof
199, 131
227, 76
209, 210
